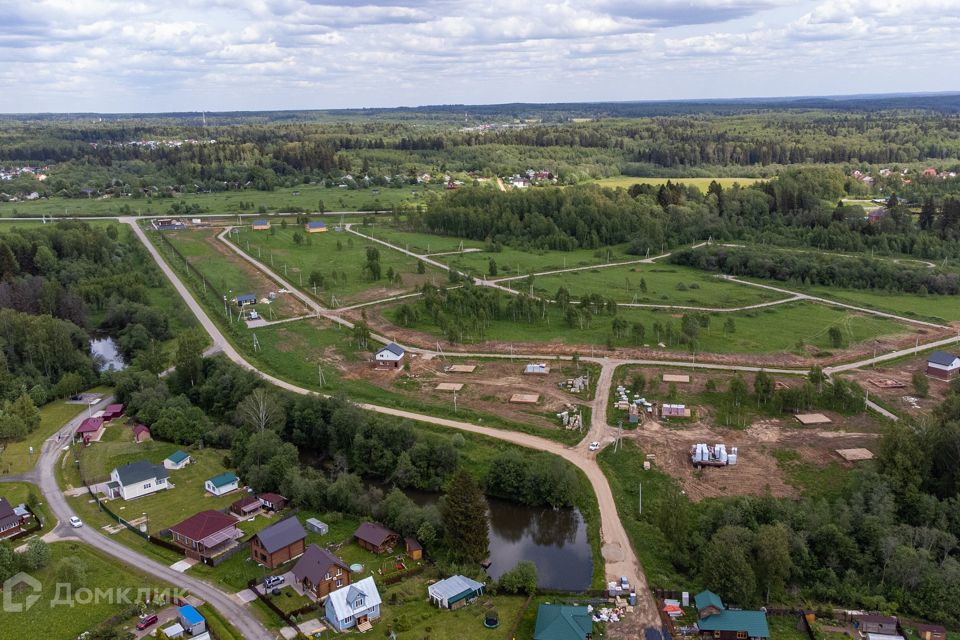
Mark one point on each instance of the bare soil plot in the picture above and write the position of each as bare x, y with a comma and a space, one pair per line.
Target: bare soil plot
856, 454
808, 419
525, 398
461, 368
675, 377
449, 386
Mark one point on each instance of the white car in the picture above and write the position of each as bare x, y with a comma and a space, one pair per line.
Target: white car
76, 522
594, 446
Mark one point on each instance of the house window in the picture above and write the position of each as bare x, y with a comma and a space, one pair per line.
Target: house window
162, 481
339, 583
339, 571
741, 635
358, 603
147, 485
716, 634
326, 576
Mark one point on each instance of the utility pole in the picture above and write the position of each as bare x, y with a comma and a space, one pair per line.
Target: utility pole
640, 498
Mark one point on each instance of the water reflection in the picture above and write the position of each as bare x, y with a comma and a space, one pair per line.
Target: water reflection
106, 354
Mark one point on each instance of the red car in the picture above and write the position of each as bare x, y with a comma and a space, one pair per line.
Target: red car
146, 622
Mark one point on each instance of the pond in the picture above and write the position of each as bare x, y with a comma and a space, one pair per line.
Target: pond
106, 354
553, 539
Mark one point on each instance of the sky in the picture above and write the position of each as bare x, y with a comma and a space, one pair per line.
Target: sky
115, 56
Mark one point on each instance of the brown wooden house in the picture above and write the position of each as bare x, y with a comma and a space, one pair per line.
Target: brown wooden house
931, 632
375, 537
320, 572
278, 543
413, 548
272, 501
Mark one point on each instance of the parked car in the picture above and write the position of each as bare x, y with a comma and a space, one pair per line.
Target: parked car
147, 621
594, 446
76, 522
273, 581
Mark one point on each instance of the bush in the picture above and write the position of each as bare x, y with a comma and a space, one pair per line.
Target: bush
521, 579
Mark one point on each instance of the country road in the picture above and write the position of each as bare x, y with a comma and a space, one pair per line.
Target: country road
44, 477
619, 555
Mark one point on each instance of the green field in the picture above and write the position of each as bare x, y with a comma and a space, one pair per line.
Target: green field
15, 457
701, 183
423, 243
775, 329
279, 200
63, 621
340, 257
512, 262
933, 307
664, 284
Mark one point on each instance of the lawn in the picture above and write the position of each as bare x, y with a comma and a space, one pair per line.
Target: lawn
424, 243
625, 473
652, 284
249, 201
15, 457
816, 482
775, 329
339, 257
787, 628
701, 183
164, 508
63, 621
938, 308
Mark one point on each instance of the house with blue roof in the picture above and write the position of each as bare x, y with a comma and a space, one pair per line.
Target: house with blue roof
562, 622
191, 620
315, 226
244, 300
719, 623
390, 356
223, 483
942, 365
261, 224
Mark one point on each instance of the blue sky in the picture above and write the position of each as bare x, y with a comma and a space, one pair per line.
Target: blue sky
214, 55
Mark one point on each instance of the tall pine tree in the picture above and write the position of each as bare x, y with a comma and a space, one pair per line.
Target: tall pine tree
465, 525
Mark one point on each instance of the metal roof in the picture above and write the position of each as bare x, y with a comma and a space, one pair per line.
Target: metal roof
393, 348
562, 622
316, 224
754, 623
343, 600
223, 479
449, 588
247, 298
374, 533
942, 358
178, 456
706, 599
189, 613
282, 534
139, 471
315, 563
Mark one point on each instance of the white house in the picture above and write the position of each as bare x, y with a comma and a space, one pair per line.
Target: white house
355, 605
177, 460
223, 483
390, 356
943, 365
137, 479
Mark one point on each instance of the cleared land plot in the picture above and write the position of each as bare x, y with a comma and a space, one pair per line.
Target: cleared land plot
247, 201
676, 377
461, 368
449, 386
903, 400
339, 258
855, 455
807, 419
652, 284
230, 274
800, 328
66, 621
525, 398
701, 183
423, 243
513, 262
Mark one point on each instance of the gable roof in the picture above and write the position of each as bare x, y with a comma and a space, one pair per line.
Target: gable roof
223, 479
249, 297
139, 471
754, 623
342, 599
272, 498
200, 525
90, 425
8, 516
315, 563
282, 534
393, 348
316, 224
261, 221
115, 409
562, 622
706, 599
450, 588
374, 533
941, 358
178, 456
931, 628
140, 428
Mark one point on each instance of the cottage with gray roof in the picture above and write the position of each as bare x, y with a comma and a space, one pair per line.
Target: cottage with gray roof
390, 356
137, 479
278, 543
942, 365
320, 572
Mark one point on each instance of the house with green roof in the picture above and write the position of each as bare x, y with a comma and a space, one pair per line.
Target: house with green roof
176, 460
562, 622
223, 483
718, 623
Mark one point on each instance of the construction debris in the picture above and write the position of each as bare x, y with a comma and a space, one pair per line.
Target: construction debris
575, 385
674, 411
539, 369
571, 417
715, 456
887, 383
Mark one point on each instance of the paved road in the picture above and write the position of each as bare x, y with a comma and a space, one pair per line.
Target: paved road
619, 554
44, 477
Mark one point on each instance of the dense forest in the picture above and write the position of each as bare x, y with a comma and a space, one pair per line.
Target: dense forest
887, 540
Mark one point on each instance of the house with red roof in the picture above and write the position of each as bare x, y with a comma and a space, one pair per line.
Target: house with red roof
112, 412
141, 433
206, 534
89, 430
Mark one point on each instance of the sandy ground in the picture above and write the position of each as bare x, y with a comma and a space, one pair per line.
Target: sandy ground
902, 371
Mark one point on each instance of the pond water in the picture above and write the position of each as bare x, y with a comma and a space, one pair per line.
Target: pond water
106, 354
553, 539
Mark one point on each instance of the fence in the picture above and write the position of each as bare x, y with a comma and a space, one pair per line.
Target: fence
190, 268
394, 578
23, 533
134, 528
289, 618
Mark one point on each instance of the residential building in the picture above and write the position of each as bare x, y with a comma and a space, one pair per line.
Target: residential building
931, 632
356, 605
141, 433
719, 623
413, 548
390, 356
222, 484
89, 430
272, 501
376, 537
315, 226
562, 622
320, 572
246, 506
191, 620
206, 534
942, 365
278, 543
137, 479
246, 299
112, 412
879, 625
454, 592
177, 460
10, 521
261, 224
